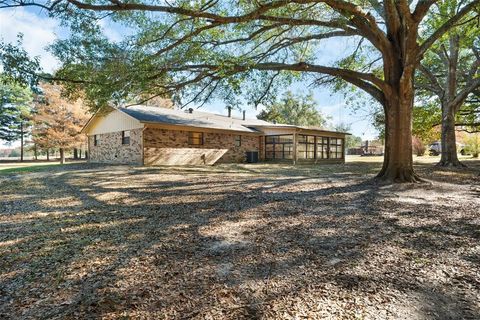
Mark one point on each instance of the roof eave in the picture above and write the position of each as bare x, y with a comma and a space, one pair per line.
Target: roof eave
198, 128
298, 128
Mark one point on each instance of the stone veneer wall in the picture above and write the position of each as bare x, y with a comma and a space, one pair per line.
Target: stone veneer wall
111, 150
170, 147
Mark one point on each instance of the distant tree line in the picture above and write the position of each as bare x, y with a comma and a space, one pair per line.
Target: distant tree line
42, 117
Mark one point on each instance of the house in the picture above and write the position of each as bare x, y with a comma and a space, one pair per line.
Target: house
151, 135
368, 148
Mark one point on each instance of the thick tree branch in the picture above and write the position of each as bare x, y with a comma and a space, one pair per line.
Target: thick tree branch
421, 9
462, 95
366, 81
450, 23
433, 80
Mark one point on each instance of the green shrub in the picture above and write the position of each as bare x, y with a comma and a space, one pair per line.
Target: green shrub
472, 144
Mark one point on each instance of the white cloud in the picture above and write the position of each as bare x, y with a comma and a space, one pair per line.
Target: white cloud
38, 32
113, 31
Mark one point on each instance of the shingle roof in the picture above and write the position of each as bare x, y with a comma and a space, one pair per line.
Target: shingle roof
195, 119
199, 119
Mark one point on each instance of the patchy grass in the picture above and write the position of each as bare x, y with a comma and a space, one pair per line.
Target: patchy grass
263, 241
17, 167
26, 168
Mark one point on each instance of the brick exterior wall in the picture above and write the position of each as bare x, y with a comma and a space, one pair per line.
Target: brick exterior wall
171, 147
111, 150
261, 153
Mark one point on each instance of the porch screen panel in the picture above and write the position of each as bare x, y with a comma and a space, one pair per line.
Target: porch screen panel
322, 148
306, 147
279, 147
336, 148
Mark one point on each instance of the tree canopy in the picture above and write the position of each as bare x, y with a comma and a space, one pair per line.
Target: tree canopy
296, 109
15, 109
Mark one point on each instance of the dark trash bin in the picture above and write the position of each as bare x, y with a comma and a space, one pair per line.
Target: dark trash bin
252, 156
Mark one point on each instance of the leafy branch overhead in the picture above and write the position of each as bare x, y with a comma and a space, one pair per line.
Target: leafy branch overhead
208, 43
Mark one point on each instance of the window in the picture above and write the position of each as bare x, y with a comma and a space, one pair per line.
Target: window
95, 140
336, 148
306, 147
195, 138
125, 137
238, 141
279, 147
322, 148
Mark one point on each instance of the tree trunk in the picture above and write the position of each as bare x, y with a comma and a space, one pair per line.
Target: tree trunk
398, 106
62, 156
48, 154
398, 161
75, 153
21, 141
449, 146
35, 151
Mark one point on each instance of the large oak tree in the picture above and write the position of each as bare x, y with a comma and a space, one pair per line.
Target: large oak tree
450, 73
208, 46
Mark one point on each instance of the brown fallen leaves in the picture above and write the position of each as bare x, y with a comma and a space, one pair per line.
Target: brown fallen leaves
238, 242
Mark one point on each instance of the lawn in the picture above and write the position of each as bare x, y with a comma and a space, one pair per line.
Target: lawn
261, 241
9, 167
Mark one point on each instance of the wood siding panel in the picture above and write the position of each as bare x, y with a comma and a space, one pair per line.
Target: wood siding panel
113, 122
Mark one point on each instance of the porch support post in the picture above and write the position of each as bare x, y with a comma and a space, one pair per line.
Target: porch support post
87, 153
295, 148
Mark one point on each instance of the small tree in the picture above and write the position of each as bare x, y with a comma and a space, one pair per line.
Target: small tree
58, 122
472, 144
351, 141
295, 109
418, 146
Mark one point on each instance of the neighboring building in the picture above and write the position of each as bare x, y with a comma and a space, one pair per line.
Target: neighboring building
368, 148
159, 136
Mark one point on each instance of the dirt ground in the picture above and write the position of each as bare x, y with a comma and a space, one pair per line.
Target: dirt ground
239, 242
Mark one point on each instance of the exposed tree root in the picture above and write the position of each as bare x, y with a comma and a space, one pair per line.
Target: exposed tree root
451, 163
399, 176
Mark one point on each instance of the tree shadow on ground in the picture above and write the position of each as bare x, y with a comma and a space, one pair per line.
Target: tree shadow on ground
112, 242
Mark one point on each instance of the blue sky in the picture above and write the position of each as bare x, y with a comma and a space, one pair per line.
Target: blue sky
40, 31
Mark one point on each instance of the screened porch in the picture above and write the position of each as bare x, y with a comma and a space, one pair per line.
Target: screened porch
303, 147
